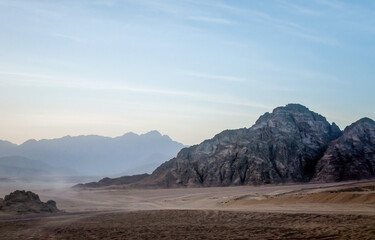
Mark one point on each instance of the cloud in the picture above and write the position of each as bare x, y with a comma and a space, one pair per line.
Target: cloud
105, 3
210, 19
35, 7
332, 4
298, 8
31, 79
214, 77
69, 37
289, 27
319, 39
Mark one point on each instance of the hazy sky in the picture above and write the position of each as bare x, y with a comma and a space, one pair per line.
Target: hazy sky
189, 69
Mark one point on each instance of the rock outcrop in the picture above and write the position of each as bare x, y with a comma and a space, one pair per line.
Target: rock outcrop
351, 156
282, 146
22, 202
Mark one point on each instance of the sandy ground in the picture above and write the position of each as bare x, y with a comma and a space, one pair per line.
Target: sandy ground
297, 211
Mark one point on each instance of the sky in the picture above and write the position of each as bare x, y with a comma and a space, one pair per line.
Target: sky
188, 68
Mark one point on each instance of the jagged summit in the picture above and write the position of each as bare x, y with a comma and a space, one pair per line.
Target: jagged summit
293, 114
294, 107
360, 123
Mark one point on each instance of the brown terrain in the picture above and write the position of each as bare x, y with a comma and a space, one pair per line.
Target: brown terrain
343, 210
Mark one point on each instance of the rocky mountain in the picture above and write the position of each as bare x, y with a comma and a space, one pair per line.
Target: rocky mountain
22, 202
97, 155
351, 156
282, 146
291, 144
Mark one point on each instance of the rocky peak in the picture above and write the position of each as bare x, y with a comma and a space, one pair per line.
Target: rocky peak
296, 116
362, 131
351, 156
282, 146
363, 126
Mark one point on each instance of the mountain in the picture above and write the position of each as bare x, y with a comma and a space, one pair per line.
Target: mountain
282, 146
16, 166
291, 144
7, 148
97, 155
351, 156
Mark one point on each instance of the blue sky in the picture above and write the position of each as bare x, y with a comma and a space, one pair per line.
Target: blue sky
189, 69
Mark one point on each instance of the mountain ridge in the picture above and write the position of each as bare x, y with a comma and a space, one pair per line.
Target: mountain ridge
2, 141
284, 146
98, 155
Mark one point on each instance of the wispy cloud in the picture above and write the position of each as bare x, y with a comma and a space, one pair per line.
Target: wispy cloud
105, 3
298, 8
287, 26
32, 79
214, 77
21, 74
332, 4
35, 7
319, 39
70, 37
210, 19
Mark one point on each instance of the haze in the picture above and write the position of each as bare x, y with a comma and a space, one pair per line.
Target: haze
186, 68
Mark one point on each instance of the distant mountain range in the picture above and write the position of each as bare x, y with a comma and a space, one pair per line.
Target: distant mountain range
16, 166
88, 155
291, 144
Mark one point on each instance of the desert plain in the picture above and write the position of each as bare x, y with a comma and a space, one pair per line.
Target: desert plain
343, 210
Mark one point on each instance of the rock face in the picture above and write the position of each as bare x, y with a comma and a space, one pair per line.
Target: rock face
113, 181
350, 157
22, 202
282, 146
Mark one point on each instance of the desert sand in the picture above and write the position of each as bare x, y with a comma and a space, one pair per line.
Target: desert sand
295, 211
